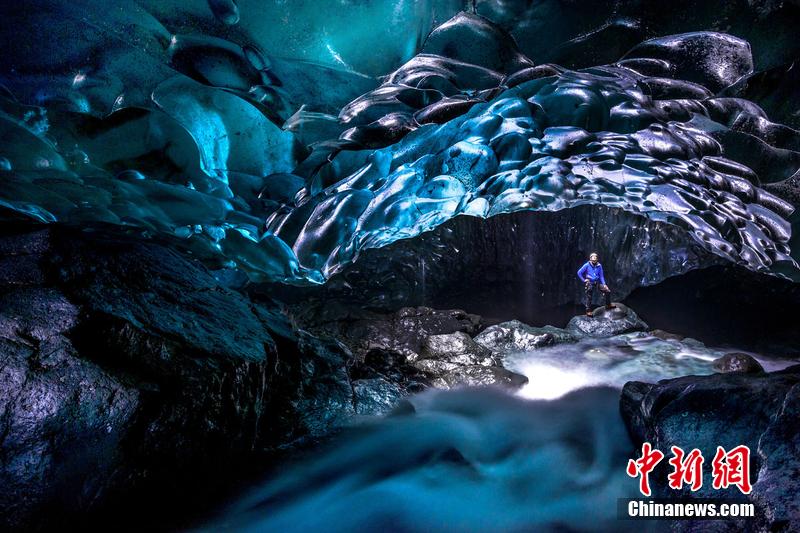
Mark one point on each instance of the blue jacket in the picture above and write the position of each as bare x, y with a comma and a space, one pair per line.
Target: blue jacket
592, 273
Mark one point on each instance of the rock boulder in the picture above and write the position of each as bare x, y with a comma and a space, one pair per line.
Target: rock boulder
757, 410
607, 322
738, 362
514, 336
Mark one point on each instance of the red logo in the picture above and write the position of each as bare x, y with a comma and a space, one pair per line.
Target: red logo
644, 465
728, 468
732, 468
686, 469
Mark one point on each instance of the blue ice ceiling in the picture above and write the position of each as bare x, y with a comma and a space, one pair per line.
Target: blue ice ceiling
257, 135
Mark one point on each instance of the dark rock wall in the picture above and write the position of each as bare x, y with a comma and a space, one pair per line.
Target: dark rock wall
63, 417
130, 377
127, 371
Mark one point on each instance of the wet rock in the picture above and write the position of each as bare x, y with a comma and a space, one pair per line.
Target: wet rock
706, 411
316, 391
126, 369
392, 365
444, 361
514, 336
411, 350
456, 347
738, 362
383, 378
457, 360
63, 417
666, 335
134, 284
777, 485
607, 322
481, 376
375, 396
756, 410
404, 331
405, 352
436, 368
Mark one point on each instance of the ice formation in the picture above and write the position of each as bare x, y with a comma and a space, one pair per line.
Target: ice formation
287, 169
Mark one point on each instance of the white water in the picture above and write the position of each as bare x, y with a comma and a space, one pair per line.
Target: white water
554, 371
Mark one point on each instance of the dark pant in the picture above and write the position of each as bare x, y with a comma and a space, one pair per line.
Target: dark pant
590, 287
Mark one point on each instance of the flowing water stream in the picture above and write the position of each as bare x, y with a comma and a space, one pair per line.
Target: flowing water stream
557, 370
550, 458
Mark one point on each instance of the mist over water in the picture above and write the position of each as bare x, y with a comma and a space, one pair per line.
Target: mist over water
464, 460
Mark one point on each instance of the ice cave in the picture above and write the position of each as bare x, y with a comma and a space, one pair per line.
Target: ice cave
306, 265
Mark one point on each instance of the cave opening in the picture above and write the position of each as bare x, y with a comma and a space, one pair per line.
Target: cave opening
523, 266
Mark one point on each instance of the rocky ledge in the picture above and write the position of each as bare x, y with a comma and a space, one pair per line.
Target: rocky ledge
407, 351
123, 366
418, 347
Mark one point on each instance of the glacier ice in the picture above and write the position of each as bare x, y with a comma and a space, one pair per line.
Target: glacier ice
582, 33
288, 169
367, 36
548, 144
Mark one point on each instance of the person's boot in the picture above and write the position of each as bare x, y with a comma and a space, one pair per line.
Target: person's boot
589, 312
610, 306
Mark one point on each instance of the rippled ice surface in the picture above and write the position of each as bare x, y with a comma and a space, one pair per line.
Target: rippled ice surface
238, 156
557, 370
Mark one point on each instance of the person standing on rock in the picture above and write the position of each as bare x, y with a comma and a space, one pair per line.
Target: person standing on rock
591, 274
